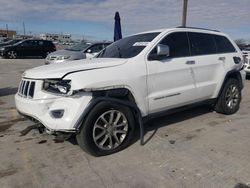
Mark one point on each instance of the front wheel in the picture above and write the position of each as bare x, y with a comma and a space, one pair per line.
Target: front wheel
230, 97
12, 55
107, 129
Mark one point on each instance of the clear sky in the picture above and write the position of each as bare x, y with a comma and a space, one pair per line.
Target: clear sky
94, 19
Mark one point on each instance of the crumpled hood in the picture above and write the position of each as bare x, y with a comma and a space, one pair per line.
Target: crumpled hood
61, 69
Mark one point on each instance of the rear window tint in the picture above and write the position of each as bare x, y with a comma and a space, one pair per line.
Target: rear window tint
223, 44
201, 43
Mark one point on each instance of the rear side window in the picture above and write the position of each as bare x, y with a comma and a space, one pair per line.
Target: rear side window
223, 44
178, 44
201, 43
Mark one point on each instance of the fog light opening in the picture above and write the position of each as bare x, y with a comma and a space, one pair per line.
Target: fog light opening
57, 113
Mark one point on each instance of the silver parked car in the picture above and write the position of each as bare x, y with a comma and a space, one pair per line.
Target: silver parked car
79, 51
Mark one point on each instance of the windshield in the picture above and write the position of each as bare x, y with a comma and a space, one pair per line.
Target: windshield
127, 47
20, 42
78, 47
13, 42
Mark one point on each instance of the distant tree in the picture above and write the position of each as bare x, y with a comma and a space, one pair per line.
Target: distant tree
242, 43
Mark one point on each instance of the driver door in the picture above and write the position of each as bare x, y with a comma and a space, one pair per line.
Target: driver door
171, 79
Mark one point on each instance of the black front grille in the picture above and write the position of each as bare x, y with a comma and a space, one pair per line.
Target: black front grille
26, 88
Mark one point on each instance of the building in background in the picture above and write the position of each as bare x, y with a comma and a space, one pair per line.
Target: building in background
56, 37
7, 33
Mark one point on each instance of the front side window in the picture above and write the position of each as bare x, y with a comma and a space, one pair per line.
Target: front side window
201, 43
177, 43
128, 47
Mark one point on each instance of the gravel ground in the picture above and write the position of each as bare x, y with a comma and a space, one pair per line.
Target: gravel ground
193, 148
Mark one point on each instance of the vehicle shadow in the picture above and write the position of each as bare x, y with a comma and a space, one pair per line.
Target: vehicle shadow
163, 121
7, 91
169, 119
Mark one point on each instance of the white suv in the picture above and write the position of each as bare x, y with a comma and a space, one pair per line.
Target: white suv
103, 100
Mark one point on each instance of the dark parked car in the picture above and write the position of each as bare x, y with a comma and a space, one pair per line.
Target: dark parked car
10, 42
30, 47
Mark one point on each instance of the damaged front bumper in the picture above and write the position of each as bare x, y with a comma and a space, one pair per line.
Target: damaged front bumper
59, 114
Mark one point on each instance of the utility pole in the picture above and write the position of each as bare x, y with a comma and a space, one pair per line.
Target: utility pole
24, 29
7, 31
184, 13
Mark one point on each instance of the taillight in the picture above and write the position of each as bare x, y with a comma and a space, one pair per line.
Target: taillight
237, 60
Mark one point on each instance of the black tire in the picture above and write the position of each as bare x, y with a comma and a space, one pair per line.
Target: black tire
86, 136
45, 54
12, 54
222, 105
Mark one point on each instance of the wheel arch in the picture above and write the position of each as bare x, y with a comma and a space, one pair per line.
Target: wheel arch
121, 96
235, 74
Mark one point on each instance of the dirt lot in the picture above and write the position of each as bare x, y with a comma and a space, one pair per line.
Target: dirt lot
194, 148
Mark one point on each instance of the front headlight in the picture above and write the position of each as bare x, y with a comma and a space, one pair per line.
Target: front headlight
62, 57
57, 86
2, 49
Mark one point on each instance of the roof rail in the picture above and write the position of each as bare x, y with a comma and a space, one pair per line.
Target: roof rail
198, 28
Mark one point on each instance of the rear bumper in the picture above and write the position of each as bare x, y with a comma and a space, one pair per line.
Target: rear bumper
46, 111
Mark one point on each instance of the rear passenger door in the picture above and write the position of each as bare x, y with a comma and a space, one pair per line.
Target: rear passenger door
207, 67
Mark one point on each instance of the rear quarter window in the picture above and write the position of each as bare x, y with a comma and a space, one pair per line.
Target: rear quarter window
223, 44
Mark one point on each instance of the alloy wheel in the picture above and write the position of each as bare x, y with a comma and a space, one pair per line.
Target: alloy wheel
232, 96
12, 55
110, 130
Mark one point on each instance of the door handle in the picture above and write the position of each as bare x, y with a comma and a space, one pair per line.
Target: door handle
190, 62
222, 58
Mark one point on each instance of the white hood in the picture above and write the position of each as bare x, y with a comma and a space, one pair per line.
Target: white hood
61, 69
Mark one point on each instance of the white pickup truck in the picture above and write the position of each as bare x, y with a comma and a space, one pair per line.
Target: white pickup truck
102, 100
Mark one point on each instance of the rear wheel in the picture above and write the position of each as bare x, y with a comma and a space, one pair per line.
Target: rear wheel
230, 97
107, 129
12, 54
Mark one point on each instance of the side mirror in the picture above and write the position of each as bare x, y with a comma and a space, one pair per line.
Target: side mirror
89, 51
162, 50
